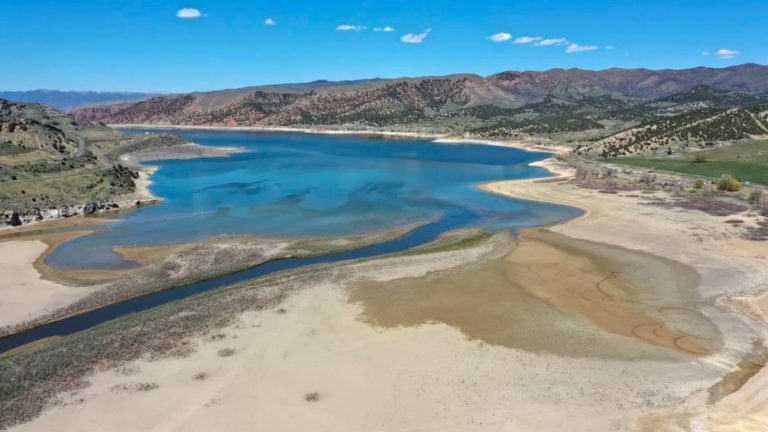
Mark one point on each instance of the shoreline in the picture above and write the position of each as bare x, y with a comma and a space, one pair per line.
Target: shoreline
733, 279
142, 194
314, 326
190, 263
321, 312
440, 138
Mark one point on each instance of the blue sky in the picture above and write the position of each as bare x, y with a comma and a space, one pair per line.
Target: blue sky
144, 45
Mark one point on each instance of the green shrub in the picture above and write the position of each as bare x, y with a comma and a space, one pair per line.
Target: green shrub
699, 158
698, 184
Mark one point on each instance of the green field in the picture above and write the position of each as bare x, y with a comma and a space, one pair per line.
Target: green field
746, 161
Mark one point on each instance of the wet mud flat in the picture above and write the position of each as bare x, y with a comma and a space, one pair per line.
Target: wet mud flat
554, 294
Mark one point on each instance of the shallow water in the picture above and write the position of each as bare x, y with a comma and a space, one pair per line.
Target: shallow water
298, 185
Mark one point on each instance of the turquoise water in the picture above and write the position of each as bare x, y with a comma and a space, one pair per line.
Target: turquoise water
298, 185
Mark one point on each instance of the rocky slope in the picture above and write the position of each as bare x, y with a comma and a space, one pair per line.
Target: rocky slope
52, 165
407, 101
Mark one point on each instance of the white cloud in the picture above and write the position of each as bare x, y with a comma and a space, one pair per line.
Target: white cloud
413, 38
187, 13
350, 27
270, 22
500, 37
705, 53
386, 29
574, 48
526, 39
552, 42
725, 53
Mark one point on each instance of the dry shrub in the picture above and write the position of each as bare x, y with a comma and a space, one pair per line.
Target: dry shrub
759, 200
728, 183
226, 352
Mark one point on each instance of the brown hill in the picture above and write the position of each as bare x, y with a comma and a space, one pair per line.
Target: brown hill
403, 101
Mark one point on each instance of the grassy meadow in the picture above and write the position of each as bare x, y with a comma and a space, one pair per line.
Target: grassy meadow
747, 161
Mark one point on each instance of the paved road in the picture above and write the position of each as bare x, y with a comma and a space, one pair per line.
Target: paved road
80, 143
80, 147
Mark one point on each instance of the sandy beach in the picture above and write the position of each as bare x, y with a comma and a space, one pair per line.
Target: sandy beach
24, 294
640, 353
629, 317
734, 273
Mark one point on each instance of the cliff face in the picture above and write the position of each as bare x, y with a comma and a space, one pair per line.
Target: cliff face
403, 101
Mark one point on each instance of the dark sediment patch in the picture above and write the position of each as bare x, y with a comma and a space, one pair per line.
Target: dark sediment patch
708, 205
760, 232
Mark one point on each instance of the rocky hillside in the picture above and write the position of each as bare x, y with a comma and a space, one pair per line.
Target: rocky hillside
377, 103
631, 83
424, 100
52, 165
37, 127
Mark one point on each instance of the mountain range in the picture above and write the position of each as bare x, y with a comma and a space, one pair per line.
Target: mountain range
69, 100
612, 112
408, 100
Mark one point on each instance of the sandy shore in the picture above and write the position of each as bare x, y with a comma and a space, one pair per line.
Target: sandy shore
623, 319
24, 294
635, 342
734, 273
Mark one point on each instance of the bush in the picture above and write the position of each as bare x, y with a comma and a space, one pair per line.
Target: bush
699, 158
585, 172
698, 184
759, 200
648, 178
728, 183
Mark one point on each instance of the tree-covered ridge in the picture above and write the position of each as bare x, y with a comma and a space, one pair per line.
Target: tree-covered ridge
698, 129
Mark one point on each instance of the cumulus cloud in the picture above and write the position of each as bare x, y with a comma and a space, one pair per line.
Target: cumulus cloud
575, 48
500, 37
270, 22
350, 27
725, 53
552, 42
386, 29
414, 38
527, 39
187, 13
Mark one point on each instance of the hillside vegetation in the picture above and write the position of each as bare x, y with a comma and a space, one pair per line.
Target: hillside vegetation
699, 128
51, 163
